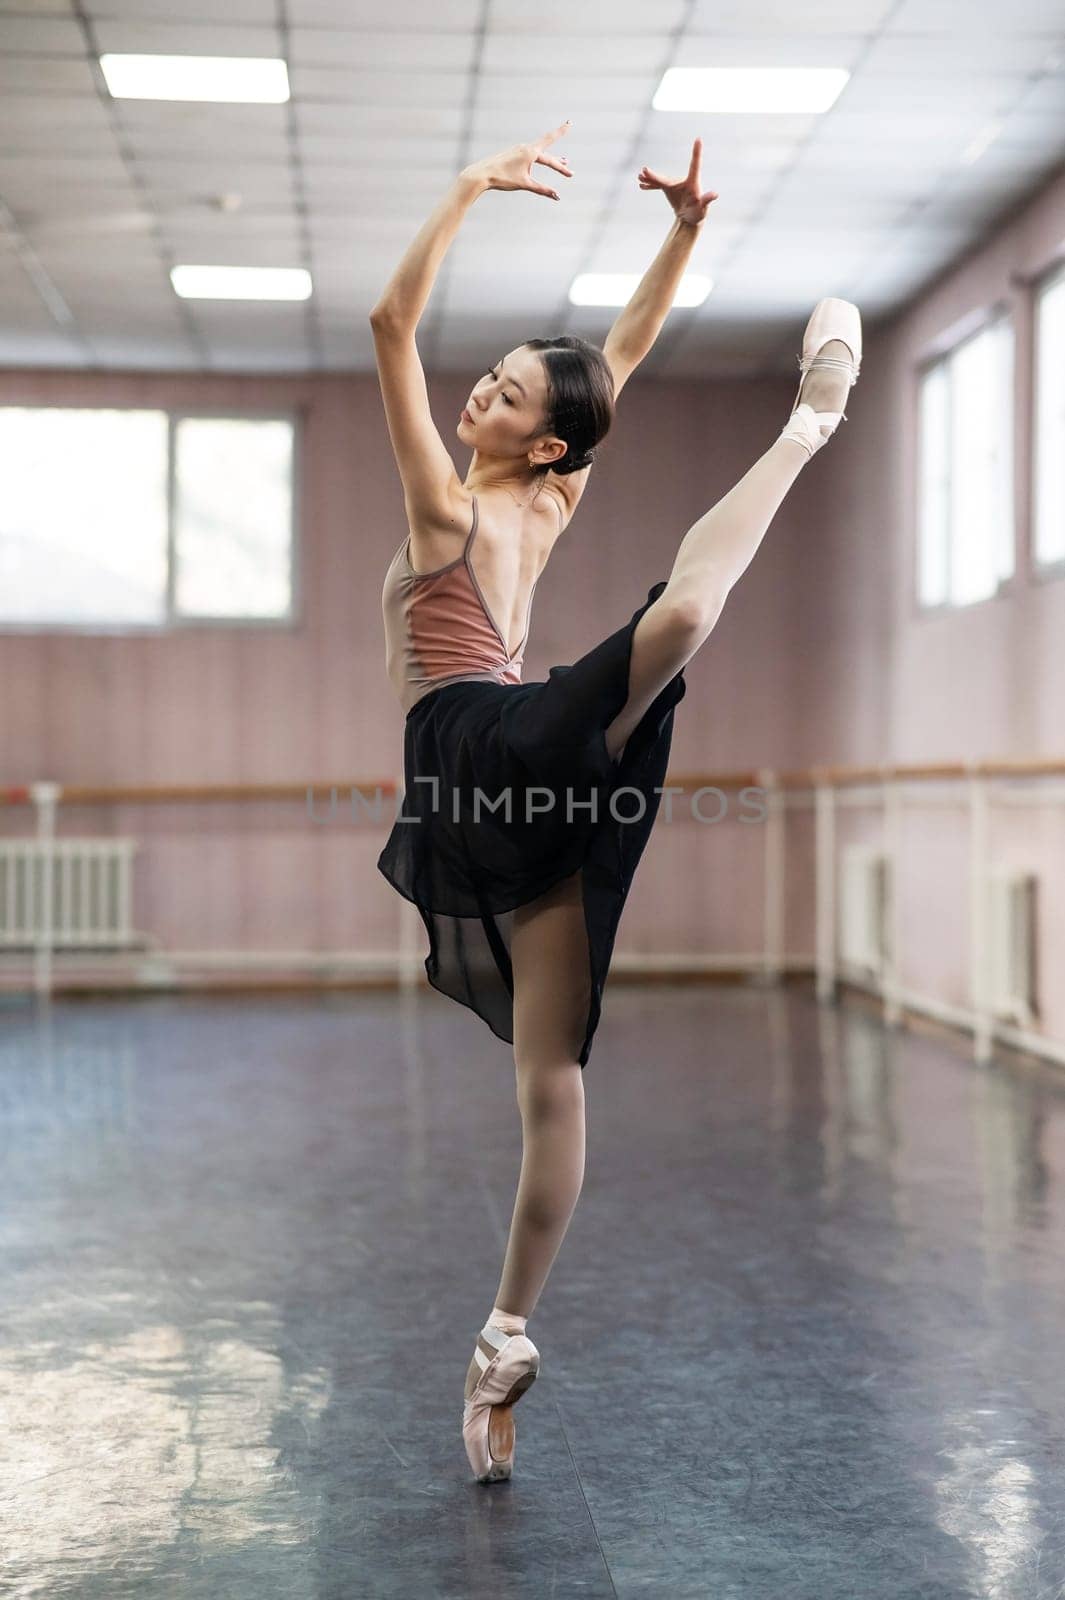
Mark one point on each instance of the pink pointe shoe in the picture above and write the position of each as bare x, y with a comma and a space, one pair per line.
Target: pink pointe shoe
509, 1364
831, 319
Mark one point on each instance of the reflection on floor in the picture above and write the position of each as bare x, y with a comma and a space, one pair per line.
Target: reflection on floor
803, 1340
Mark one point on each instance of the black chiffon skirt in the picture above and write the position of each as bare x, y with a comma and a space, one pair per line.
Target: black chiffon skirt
507, 790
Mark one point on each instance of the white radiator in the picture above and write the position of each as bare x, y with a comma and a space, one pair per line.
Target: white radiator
90, 899
865, 908
1012, 946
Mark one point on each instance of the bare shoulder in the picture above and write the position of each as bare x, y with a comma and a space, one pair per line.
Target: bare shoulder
439, 536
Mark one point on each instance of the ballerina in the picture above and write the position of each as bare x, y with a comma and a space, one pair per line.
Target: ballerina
521, 911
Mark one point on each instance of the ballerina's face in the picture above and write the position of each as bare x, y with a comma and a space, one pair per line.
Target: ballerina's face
506, 408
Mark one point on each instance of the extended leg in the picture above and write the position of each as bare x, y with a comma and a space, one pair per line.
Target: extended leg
713, 555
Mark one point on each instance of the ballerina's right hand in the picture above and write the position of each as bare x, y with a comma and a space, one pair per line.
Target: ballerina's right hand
512, 169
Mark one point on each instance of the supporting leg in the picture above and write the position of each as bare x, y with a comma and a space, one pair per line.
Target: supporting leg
552, 985
549, 952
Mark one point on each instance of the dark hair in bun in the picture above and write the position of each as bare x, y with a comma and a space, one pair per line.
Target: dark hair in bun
580, 399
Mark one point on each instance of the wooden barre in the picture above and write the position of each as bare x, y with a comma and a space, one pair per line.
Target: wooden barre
800, 778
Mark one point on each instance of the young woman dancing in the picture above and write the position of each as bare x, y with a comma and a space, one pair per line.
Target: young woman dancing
507, 841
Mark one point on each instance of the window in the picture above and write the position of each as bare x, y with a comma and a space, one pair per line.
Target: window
143, 519
965, 534
1048, 500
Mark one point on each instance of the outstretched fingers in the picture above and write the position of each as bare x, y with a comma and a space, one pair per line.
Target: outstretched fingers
555, 133
556, 163
655, 180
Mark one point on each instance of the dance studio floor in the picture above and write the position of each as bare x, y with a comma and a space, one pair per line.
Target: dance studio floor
803, 1339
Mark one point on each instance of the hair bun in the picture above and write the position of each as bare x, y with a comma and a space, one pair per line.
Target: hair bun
577, 463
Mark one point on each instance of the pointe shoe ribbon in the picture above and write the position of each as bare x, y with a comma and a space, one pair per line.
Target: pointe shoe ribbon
487, 1421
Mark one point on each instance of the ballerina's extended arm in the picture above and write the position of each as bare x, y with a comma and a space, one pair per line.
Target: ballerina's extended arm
430, 483
638, 322
431, 486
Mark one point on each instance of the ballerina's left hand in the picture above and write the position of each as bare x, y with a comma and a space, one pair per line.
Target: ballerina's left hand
682, 193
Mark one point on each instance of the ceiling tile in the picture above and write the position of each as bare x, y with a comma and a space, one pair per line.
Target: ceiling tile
152, 123
887, 94
327, 120
192, 226
18, 297
1036, 128
185, 234
1046, 94
98, 143
145, 352
66, 120
377, 193
989, 16
620, 18
1027, 165
62, 171
242, 146
25, 75
270, 193
119, 228
972, 49
134, 36
105, 262
539, 92
24, 33
870, 199
146, 315
918, 129
25, 192
215, 175
412, 16
248, 319
770, 49
766, 17
866, 205
851, 167
41, 346
593, 54
328, 112
434, 51
258, 356
184, 12
353, 86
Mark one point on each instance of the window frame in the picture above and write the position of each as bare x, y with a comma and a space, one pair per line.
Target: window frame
1039, 571
970, 327
290, 622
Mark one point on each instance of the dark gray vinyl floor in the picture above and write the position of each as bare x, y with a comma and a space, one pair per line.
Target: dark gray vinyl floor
805, 1338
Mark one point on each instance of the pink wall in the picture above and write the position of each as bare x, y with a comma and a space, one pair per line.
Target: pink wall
884, 683
889, 683
818, 656
313, 703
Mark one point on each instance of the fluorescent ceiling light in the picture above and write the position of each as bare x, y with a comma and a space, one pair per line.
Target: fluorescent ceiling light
745, 89
257, 78
241, 283
617, 289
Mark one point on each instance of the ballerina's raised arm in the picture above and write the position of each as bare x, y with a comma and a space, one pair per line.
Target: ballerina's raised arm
433, 491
